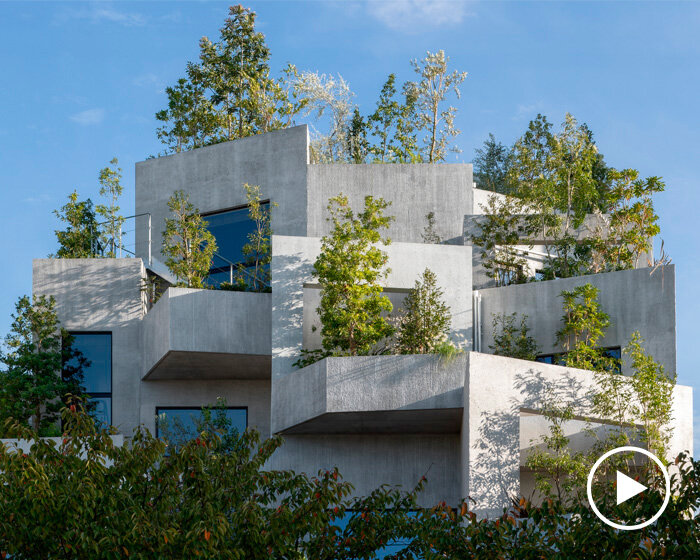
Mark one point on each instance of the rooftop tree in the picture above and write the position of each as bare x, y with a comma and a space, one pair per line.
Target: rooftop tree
111, 188
188, 245
350, 268
80, 238
425, 325
430, 93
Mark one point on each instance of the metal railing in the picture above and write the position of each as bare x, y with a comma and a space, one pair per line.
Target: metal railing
239, 268
118, 247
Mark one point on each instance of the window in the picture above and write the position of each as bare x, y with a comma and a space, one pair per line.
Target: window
231, 229
96, 348
182, 423
614, 352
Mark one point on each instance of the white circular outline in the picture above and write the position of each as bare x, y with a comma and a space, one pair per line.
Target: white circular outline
638, 525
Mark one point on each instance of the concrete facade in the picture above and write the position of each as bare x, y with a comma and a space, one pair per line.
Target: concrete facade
466, 422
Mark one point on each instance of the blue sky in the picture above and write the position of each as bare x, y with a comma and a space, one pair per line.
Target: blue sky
82, 81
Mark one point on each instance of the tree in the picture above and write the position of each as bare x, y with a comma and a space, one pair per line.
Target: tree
190, 121
42, 367
425, 325
321, 94
236, 70
430, 93
429, 234
358, 145
632, 221
499, 232
254, 272
585, 324
80, 238
111, 188
510, 339
383, 122
349, 269
492, 166
187, 244
554, 173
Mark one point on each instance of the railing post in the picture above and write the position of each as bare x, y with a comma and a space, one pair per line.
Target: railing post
149, 240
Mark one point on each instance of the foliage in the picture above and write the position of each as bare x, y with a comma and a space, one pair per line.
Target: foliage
320, 95
111, 188
632, 221
559, 472
499, 232
510, 339
212, 497
190, 121
430, 93
41, 366
187, 244
584, 325
358, 145
383, 122
254, 272
425, 324
229, 93
492, 166
80, 238
349, 269
429, 234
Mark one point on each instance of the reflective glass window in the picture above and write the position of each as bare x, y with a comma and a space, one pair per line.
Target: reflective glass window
182, 423
96, 349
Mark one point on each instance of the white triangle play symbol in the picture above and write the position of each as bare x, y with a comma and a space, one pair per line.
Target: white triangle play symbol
627, 488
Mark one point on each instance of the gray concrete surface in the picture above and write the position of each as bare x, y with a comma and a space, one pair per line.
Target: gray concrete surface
214, 177
208, 322
369, 384
414, 190
636, 300
102, 295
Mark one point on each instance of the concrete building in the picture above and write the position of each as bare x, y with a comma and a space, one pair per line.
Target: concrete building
466, 423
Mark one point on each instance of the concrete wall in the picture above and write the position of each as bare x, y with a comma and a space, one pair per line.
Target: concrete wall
252, 394
212, 321
636, 300
368, 461
102, 295
497, 391
413, 189
214, 177
292, 272
366, 384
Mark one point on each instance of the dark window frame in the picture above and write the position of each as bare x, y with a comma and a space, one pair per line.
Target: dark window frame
103, 395
199, 408
557, 355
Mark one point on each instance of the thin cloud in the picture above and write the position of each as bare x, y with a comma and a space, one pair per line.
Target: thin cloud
414, 15
150, 81
89, 117
101, 14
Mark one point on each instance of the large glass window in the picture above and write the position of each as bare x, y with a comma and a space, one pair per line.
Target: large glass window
183, 423
96, 349
231, 229
560, 359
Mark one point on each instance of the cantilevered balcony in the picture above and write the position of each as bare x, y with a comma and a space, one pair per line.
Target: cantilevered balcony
207, 334
372, 394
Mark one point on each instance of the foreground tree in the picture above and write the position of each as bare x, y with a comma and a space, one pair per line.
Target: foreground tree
187, 244
430, 93
350, 269
213, 498
110, 188
80, 239
41, 367
425, 325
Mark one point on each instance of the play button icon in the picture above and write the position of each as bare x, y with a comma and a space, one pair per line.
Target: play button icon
627, 488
